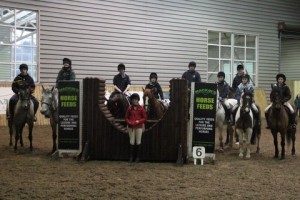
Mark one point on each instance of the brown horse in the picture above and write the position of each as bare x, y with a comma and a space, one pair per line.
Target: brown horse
154, 108
279, 122
118, 104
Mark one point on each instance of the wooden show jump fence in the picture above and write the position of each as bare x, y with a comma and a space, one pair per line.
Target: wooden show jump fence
105, 138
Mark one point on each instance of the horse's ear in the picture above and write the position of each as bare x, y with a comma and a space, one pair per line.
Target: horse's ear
43, 87
52, 88
143, 89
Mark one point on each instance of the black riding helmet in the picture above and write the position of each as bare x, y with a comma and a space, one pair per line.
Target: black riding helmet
282, 76
153, 75
192, 64
23, 66
221, 74
134, 96
121, 66
67, 60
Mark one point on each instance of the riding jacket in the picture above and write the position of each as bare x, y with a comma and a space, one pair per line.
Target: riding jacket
223, 89
236, 81
121, 82
65, 74
284, 90
191, 76
20, 79
248, 88
157, 90
132, 115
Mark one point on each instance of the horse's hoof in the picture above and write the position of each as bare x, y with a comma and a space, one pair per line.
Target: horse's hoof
241, 156
247, 157
276, 156
10, 144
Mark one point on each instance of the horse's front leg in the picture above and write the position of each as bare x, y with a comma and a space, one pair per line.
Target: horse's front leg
54, 136
274, 133
21, 135
293, 141
283, 144
30, 127
220, 129
17, 137
241, 142
248, 142
11, 131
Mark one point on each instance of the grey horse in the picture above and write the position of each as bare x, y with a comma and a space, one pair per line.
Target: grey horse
23, 114
50, 110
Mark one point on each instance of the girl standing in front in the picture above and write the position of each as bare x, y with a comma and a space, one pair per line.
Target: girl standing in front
135, 118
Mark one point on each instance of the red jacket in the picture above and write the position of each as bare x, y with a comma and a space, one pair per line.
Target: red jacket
132, 115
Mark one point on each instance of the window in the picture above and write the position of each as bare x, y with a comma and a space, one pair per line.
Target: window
18, 42
227, 50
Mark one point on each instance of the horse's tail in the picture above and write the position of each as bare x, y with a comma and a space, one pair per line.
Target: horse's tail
289, 135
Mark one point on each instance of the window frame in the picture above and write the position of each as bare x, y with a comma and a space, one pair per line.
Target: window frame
233, 60
14, 64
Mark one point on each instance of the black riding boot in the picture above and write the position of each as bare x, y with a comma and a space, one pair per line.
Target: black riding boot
131, 153
267, 120
227, 114
138, 153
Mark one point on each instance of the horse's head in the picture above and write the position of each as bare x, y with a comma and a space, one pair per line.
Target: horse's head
47, 101
148, 94
246, 103
276, 99
24, 96
118, 104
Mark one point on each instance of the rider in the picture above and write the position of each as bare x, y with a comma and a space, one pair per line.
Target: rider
66, 72
238, 77
18, 81
246, 87
135, 118
191, 75
223, 89
121, 81
285, 93
153, 84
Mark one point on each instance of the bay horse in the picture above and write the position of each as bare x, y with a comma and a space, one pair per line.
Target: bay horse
221, 122
244, 125
154, 107
24, 114
49, 108
118, 105
279, 122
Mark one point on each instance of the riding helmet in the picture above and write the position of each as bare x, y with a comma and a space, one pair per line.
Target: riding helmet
153, 75
134, 96
121, 66
240, 67
221, 74
23, 66
67, 60
192, 64
282, 76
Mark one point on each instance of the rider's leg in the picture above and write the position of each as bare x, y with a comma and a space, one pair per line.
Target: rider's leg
267, 116
227, 110
35, 105
12, 103
292, 115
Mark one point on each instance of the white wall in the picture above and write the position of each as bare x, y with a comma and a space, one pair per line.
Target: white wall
154, 35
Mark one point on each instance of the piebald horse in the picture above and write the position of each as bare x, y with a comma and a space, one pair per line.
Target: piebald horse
244, 125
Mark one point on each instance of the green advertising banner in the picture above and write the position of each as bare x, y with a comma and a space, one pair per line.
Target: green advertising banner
68, 118
204, 115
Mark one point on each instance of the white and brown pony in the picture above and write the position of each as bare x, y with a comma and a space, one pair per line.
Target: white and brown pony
222, 124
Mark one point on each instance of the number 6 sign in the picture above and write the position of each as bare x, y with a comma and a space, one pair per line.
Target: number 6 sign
198, 153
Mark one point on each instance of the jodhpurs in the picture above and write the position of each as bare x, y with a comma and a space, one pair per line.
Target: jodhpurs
135, 135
